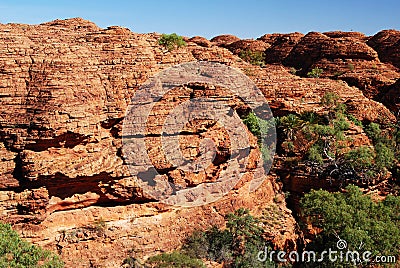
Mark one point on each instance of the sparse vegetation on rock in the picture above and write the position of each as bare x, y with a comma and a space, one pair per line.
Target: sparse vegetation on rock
253, 57
365, 224
236, 246
17, 253
328, 153
171, 41
315, 73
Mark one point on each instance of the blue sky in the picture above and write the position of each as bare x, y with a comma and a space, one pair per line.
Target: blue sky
246, 19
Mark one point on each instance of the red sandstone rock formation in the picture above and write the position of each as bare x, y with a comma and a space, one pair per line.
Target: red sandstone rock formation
64, 90
224, 40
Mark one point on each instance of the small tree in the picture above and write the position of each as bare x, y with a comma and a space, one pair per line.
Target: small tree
355, 218
315, 73
17, 253
236, 246
171, 41
253, 57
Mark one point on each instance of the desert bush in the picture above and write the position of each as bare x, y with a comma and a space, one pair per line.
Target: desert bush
17, 253
384, 156
236, 246
311, 117
355, 218
330, 99
373, 131
171, 41
261, 129
253, 57
315, 72
361, 157
354, 120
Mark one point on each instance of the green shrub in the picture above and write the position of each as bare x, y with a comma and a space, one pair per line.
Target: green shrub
373, 131
340, 124
171, 41
253, 125
330, 99
354, 120
236, 246
290, 123
260, 128
323, 130
384, 156
315, 154
311, 117
17, 253
253, 57
197, 245
315, 73
355, 218
174, 259
361, 157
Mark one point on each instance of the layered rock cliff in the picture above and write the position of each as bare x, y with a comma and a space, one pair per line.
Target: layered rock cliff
65, 87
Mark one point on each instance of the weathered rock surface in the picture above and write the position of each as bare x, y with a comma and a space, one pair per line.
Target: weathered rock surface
64, 90
246, 45
224, 40
387, 44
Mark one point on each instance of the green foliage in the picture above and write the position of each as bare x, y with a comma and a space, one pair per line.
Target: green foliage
361, 157
327, 153
175, 259
355, 218
373, 130
290, 123
340, 123
315, 72
315, 154
311, 117
385, 146
330, 99
323, 130
252, 123
253, 57
384, 156
17, 253
236, 246
354, 120
171, 41
260, 128
243, 226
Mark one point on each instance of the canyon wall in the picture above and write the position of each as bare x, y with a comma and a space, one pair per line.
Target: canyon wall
65, 87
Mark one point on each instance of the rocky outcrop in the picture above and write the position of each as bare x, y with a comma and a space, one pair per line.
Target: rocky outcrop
391, 98
247, 45
387, 44
281, 46
65, 87
224, 40
64, 91
367, 63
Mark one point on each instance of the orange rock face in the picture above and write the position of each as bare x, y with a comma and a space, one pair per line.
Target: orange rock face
64, 90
